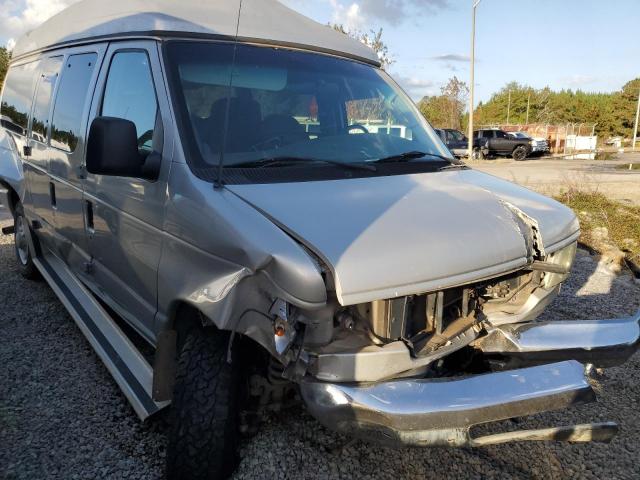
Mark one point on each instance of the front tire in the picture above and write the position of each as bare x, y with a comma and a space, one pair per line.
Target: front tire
204, 426
21, 240
519, 153
478, 154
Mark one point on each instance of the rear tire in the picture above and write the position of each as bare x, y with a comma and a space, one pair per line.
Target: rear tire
519, 153
203, 434
21, 240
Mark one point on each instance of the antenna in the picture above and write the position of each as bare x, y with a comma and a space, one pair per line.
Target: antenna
219, 183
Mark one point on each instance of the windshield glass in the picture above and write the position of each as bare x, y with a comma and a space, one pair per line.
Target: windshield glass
279, 103
456, 135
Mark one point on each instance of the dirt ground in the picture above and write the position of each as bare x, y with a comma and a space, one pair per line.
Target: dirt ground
551, 176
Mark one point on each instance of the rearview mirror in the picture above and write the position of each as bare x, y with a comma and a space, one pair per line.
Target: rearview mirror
112, 149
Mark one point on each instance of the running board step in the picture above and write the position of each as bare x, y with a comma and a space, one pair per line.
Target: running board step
131, 371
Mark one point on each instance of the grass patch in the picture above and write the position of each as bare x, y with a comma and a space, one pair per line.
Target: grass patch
596, 210
625, 166
601, 155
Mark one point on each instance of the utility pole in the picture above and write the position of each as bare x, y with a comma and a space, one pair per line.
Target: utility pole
472, 68
528, 104
635, 128
509, 108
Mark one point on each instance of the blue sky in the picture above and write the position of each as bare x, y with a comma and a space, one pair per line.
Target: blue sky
587, 44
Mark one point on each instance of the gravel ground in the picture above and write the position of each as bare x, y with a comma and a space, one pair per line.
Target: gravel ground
62, 416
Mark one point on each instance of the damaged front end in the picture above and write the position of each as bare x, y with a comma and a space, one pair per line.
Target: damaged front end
429, 328
424, 370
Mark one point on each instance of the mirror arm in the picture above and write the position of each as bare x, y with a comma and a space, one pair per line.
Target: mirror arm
150, 170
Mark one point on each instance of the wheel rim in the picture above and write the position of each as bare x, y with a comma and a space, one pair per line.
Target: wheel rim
21, 240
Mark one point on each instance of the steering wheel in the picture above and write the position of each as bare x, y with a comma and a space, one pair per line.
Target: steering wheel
357, 126
144, 138
272, 143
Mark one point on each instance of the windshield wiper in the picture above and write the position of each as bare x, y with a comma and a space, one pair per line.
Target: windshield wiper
408, 156
454, 166
270, 162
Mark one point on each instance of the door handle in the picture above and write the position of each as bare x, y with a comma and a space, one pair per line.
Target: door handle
88, 212
26, 150
52, 194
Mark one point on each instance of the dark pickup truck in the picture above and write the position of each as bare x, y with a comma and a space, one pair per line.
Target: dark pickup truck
458, 144
503, 144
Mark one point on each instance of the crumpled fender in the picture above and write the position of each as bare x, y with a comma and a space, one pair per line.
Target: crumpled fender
225, 258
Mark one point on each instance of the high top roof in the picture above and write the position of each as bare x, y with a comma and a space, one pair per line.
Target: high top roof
260, 20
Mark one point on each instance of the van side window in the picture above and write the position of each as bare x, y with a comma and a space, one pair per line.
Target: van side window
71, 99
17, 97
48, 79
130, 94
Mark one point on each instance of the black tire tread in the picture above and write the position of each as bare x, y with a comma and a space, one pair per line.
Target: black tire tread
519, 147
203, 433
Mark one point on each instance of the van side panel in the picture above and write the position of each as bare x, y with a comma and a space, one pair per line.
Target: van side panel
125, 239
70, 111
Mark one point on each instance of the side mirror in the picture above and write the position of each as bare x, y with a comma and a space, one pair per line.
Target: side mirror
112, 149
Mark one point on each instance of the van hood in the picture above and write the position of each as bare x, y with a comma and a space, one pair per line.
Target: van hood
391, 236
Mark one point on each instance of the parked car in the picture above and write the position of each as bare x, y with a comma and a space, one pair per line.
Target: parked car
539, 145
458, 144
199, 174
502, 144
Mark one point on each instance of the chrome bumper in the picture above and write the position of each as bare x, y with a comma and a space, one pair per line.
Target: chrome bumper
415, 412
602, 343
426, 412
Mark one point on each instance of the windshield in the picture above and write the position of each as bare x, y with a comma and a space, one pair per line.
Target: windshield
275, 103
456, 135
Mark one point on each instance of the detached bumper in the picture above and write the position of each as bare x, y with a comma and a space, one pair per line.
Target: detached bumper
428, 412
441, 413
603, 343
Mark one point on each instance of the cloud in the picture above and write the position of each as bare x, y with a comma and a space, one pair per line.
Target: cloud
579, 80
19, 16
451, 57
361, 14
350, 16
416, 87
396, 12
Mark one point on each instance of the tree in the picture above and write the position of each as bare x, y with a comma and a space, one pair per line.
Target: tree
373, 40
447, 109
624, 107
5, 57
612, 113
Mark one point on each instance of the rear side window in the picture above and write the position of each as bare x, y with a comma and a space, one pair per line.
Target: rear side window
130, 94
46, 85
17, 97
487, 134
71, 99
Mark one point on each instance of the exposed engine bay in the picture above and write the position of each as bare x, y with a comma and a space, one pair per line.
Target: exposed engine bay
408, 335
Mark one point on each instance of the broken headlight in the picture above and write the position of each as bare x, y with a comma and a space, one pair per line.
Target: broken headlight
564, 258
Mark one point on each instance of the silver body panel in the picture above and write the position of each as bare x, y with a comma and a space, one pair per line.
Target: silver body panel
260, 20
431, 220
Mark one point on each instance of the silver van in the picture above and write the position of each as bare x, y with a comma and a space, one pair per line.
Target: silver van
239, 208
